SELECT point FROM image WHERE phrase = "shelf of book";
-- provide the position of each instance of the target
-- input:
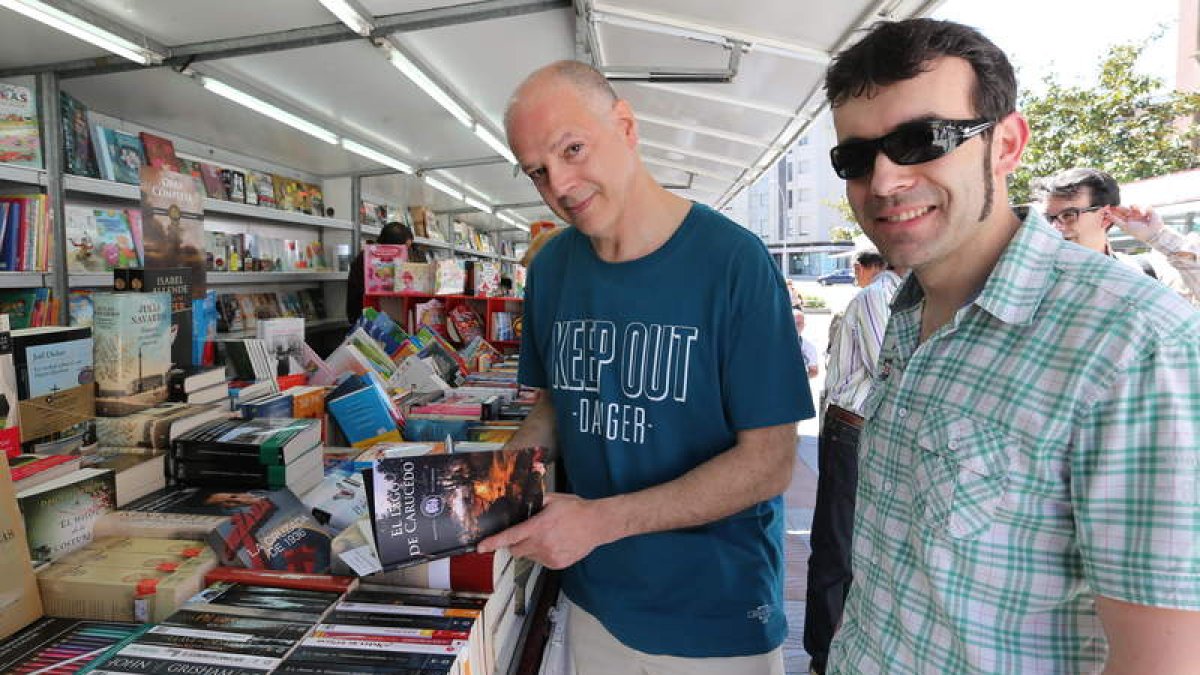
(105, 279)
(488, 307)
(103, 188)
(21, 279)
(106, 188)
(309, 325)
(22, 174)
(465, 250)
(265, 213)
(219, 278)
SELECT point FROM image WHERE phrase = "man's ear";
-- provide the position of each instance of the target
(1011, 138)
(626, 122)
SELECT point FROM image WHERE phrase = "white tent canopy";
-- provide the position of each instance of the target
(720, 88)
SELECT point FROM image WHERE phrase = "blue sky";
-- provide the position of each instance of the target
(1071, 35)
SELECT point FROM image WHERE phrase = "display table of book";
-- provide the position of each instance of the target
(307, 516)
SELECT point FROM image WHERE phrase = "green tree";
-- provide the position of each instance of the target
(1123, 124)
(850, 229)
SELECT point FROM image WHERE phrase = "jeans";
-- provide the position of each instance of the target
(829, 572)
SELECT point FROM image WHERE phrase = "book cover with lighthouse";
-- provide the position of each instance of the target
(132, 334)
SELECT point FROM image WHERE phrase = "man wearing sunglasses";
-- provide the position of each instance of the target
(1084, 203)
(1027, 495)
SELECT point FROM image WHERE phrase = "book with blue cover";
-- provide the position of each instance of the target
(121, 155)
(364, 416)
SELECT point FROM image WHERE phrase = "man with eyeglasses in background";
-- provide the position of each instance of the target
(1027, 489)
(1084, 203)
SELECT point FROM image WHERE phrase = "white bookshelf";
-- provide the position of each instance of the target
(22, 174)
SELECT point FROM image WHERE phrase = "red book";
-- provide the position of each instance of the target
(286, 382)
(278, 579)
(160, 152)
(24, 466)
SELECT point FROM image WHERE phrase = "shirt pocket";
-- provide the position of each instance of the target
(961, 474)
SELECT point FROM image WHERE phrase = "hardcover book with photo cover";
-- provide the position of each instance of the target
(428, 503)
(173, 224)
(121, 155)
(19, 139)
(54, 389)
(133, 350)
(78, 155)
(60, 514)
(160, 152)
(176, 281)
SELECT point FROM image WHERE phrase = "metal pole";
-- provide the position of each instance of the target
(52, 156)
(355, 215)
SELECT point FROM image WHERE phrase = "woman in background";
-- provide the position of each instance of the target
(392, 233)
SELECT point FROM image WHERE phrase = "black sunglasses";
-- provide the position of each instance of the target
(911, 143)
(1069, 215)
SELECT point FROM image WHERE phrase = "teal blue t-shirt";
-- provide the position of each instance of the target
(653, 366)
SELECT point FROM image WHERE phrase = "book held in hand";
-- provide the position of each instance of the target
(428, 501)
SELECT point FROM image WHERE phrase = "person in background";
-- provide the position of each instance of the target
(659, 333)
(1027, 488)
(808, 351)
(392, 233)
(1085, 203)
(794, 294)
(849, 371)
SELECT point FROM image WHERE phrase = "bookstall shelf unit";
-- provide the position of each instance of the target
(400, 306)
(22, 180)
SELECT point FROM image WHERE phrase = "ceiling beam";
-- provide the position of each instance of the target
(497, 207)
(604, 12)
(707, 95)
(703, 130)
(698, 154)
(182, 56)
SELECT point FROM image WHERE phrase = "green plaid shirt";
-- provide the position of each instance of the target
(1037, 451)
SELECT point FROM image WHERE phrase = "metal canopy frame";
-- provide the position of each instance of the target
(708, 149)
(182, 58)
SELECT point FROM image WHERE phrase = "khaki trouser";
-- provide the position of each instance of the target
(595, 651)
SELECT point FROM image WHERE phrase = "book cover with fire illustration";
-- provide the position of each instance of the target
(429, 501)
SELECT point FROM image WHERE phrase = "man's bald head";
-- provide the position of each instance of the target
(589, 83)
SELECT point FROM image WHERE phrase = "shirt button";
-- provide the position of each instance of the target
(902, 413)
(953, 444)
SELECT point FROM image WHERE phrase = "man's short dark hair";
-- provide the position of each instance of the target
(868, 258)
(395, 233)
(1104, 188)
(894, 51)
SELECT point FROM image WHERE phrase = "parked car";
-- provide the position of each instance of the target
(838, 276)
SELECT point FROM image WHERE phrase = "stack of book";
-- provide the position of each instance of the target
(61, 645)
(227, 628)
(125, 579)
(135, 446)
(262, 453)
(197, 385)
(385, 629)
(255, 529)
(29, 470)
